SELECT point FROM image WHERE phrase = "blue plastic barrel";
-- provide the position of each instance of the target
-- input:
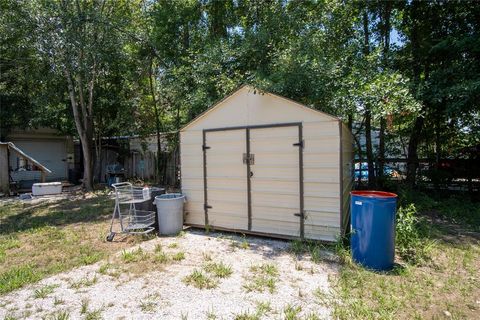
(373, 228)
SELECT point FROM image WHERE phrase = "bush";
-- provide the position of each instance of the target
(410, 243)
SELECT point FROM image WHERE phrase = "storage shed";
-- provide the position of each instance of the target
(259, 163)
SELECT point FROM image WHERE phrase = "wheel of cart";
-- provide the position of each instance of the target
(131, 219)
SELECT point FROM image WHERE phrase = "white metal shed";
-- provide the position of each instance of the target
(259, 163)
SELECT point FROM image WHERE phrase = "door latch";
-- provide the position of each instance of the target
(300, 144)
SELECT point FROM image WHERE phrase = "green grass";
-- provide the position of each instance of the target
(438, 256)
(266, 269)
(43, 292)
(134, 255)
(94, 315)
(161, 257)
(16, 277)
(263, 277)
(200, 280)
(246, 315)
(219, 270)
(291, 312)
(210, 315)
(84, 306)
(57, 301)
(59, 315)
(315, 249)
(240, 244)
(84, 282)
(148, 306)
(179, 256)
(39, 240)
(158, 248)
(7, 243)
(263, 307)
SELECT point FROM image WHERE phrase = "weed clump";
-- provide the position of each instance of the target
(410, 244)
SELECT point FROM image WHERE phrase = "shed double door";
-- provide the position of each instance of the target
(253, 179)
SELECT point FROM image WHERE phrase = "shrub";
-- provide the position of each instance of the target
(411, 246)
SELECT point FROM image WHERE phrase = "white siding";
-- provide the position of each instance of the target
(275, 183)
(276, 164)
(227, 179)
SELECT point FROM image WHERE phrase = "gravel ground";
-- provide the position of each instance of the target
(162, 294)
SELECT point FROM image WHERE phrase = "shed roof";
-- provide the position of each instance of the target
(221, 102)
(15, 149)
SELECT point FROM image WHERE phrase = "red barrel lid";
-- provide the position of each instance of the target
(373, 194)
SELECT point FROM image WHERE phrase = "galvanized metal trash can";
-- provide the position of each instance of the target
(373, 228)
(170, 213)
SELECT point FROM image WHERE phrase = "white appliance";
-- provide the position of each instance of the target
(40, 189)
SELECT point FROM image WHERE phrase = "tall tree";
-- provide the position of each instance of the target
(78, 38)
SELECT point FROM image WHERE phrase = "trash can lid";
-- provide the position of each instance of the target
(373, 194)
(169, 196)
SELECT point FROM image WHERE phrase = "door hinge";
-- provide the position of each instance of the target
(299, 144)
(206, 206)
(205, 147)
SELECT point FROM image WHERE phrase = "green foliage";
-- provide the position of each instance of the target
(410, 244)
(263, 277)
(193, 53)
(219, 270)
(199, 280)
(17, 277)
(134, 255)
(44, 291)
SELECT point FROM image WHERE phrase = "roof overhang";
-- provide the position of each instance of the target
(15, 149)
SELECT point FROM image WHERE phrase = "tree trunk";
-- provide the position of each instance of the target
(412, 158)
(87, 164)
(381, 149)
(98, 156)
(386, 10)
(157, 122)
(84, 127)
(369, 149)
(368, 114)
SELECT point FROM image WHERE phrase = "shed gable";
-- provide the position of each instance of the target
(248, 106)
